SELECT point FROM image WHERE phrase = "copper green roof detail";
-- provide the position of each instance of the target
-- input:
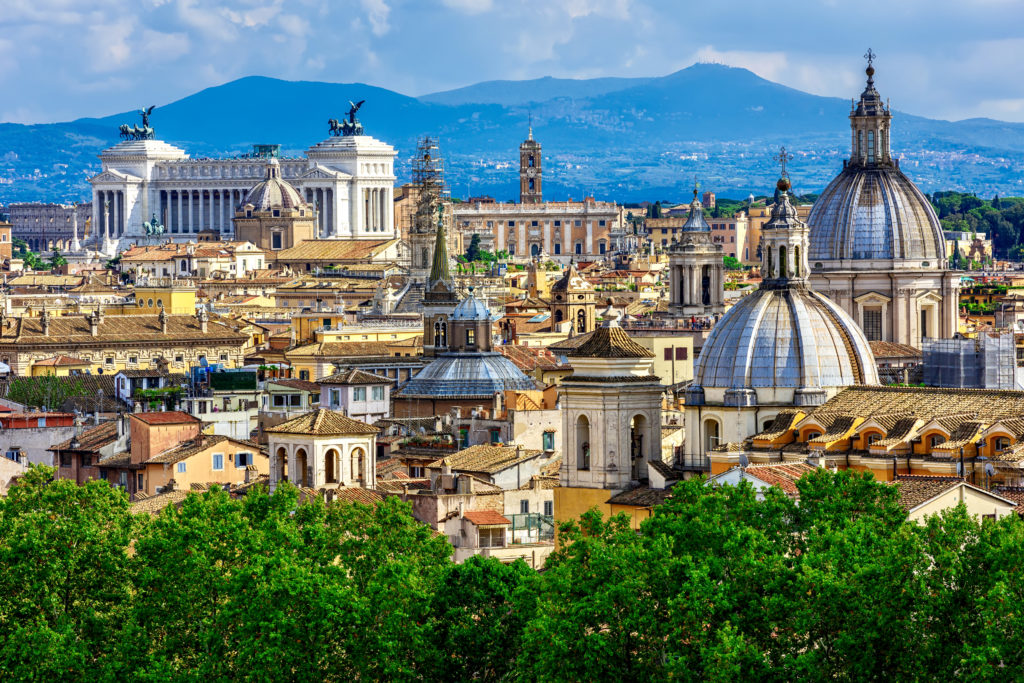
(439, 268)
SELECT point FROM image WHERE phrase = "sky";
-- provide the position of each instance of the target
(65, 59)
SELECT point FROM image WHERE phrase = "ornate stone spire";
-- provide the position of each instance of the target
(783, 243)
(869, 124)
(439, 267)
(695, 221)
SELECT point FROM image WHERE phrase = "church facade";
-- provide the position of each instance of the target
(876, 245)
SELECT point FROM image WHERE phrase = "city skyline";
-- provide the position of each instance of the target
(946, 60)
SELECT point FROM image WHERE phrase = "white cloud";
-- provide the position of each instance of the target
(377, 12)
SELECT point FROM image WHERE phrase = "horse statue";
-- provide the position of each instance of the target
(153, 226)
(145, 132)
(352, 125)
(334, 126)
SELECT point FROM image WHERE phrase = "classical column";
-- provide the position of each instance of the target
(201, 218)
(211, 225)
(75, 246)
(179, 222)
(191, 222)
(589, 244)
(116, 202)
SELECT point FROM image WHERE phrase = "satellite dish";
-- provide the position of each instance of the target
(959, 469)
(744, 460)
(989, 469)
(203, 362)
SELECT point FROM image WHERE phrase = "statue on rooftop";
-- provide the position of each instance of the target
(135, 132)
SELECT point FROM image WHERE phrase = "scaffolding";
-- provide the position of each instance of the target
(987, 362)
(428, 184)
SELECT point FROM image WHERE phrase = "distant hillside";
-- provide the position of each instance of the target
(616, 138)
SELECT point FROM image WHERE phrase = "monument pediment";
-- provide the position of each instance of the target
(319, 172)
(111, 176)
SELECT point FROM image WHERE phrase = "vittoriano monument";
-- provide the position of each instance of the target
(349, 127)
(137, 133)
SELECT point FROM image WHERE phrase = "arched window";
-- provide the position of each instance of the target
(331, 466)
(1001, 443)
(712, 436)
(811, 436)
(530, 162)
(936, 440)
(872, 438)
(581, 321)
(583, 441)
(558, 316)
(860, 144)
(282, 464)
(534, 248)
(871, 146)
(783, 263)
(300, 468)
(426, 257)
(796, 261)
(358, 463)
(771, 265)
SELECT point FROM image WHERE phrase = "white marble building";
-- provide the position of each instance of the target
(350, 179)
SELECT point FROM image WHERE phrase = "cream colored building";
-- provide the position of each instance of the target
(323, 449)
(876, 245)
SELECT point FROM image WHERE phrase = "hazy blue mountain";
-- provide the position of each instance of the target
(626, 139)
(511, 93)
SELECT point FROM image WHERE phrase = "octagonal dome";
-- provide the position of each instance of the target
(273, 192)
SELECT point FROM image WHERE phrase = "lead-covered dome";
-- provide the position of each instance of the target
(783, 344)
(871, 211)
(467, 375)
(875, 213)
(273, 192)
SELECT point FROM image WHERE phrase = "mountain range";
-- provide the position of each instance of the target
(627, 139)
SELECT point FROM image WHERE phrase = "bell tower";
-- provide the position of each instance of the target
(530, 171)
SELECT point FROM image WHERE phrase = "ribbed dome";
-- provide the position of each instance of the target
(872, 213)
(273, 192)
(471, 308)
(789, 337)
(467, 375)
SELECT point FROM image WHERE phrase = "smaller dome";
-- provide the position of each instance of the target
(471, 308)
(273, 192)
(695, 221)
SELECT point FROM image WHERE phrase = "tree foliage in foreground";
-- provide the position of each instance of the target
(720, 584)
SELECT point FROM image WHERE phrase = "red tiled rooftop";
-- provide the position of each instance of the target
(170, 417)
(486, 517)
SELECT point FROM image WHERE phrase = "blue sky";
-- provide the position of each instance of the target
(61, 59)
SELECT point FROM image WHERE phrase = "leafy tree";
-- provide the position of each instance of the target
(57, 260)
(473, 250)
(46, 391)
(732, 263)
(64, 577)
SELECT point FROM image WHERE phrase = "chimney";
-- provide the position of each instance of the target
(203, 319)
(163, 320)
(171, 485)
(94, 324)
(251, 473)
(45, 319)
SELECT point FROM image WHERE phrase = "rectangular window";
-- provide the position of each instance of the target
(243, 459)
(181, 466)
(558, 224)
(578, 223)
(549, 508)
(524, 507)
(549, 441)
(279, 400)
(359, 394)
(579, 247)
(109, 361)
(600, 247)
(133, 359)
(224, 356)
(218, 461)
(495, 436)
(533, 224)
(65, 459)
(415, 472)
(668, 353)
(681, 353)
(179, 359)
(294, 399)
(511, 224)
(872, 324)
(275, 240)
(304, 375)
(378, 393)
(335, 398)
(470, 337)
(558, 248)
(140, 482)
(601, 223)
(103, 475)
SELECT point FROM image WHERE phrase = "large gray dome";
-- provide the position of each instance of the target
(273, 192)
(467, 375)
(874, 213)
(787, 337)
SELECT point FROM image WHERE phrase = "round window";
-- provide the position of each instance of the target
(151, 303)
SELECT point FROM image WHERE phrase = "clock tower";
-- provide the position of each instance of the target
(529, 171)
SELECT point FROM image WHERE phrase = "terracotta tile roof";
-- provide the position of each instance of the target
(166, 418)
(355, 494)
(390, 467)
(46, 281)
(783, 475)
(117, 460)
(195, 447)
(546, 482)
(782, 423)
(967, 432)
(84, 385)
(641, 496)
(887, 349)
(552, 468)
(486, 518)
(354, 376)
(322, 422)
(153, 505)
(609, 342)
(335, 250)
(300, 384)
(1014, 426)
(570, 343)
(341, 349)
(1014, 493)
(530, 358)
(132, 373)
(60, 360)
(899, 431)
(92, 439)
(915, 490)
(75, 329)
(486, 458)
(400, 485)
(926, 402)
